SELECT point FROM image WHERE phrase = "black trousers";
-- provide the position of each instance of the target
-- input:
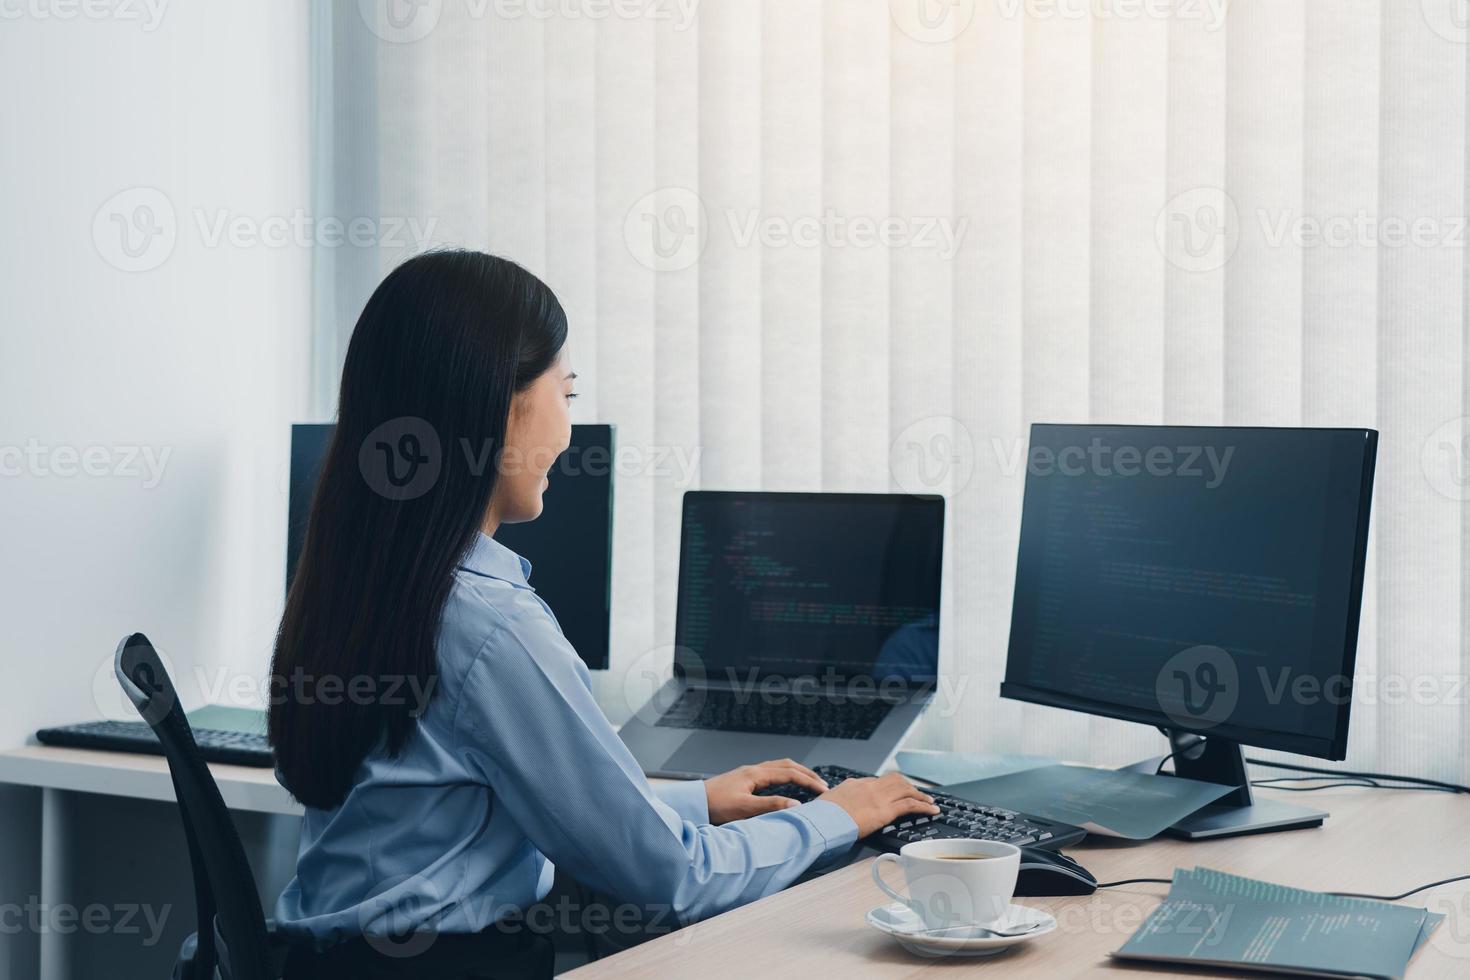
(489, 955)
(571, 919)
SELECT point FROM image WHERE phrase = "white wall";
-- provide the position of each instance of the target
(204, 357)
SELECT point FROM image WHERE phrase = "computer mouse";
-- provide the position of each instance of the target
(1052, 873)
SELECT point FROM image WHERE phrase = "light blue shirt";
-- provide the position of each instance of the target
(514, 767)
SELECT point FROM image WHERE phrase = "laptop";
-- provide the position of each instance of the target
(807, 627)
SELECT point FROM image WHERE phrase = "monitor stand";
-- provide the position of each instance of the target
(1219, 760)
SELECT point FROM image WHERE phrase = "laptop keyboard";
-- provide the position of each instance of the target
(749, 711)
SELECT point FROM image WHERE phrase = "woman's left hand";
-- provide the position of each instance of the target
(732, 795)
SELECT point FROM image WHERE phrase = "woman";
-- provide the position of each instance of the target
(429, 713)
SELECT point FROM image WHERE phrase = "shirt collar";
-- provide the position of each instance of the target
(490, 558)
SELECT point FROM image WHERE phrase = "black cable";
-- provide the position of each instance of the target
(1366, 780)
(1452, 787)
(1310, 789)
(1294, 779)
(1377, 898)
(1411, 891)
(1178, 748)
(1361, 783)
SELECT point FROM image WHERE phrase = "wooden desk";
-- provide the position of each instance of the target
(1376, 841)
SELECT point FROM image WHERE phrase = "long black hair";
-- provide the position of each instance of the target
(440, 349)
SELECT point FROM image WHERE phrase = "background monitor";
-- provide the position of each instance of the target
(569, 546)
(1204, 580)
(824, 585)
(309, 445)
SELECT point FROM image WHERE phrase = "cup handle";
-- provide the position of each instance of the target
(878, 878)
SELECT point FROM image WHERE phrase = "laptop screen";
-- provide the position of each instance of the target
(843, 588)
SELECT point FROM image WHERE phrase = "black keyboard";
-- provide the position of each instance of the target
(841, 716)
(957, 818)
(236, 748)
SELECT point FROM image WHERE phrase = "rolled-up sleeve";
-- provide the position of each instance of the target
(529, 724)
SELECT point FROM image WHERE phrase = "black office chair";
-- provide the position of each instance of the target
(234, 937)
(235, 941)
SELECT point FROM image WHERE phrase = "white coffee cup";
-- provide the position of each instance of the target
(955, 882)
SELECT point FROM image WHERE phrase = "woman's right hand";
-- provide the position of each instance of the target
(874, 802)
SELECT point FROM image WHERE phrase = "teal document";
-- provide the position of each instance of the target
(1211, 918)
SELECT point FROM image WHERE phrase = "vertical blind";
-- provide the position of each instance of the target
(862, 245)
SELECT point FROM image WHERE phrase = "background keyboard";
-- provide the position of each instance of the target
(745, 711)
(235, 748)
(957, 818)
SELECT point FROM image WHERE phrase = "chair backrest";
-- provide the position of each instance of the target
(232, 930)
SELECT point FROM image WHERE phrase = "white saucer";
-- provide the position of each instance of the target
(904, 924)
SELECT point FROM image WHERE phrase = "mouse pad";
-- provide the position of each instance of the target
(711, 753)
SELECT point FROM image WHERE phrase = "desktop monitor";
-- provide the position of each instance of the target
(569, 547)
(1203, 580)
